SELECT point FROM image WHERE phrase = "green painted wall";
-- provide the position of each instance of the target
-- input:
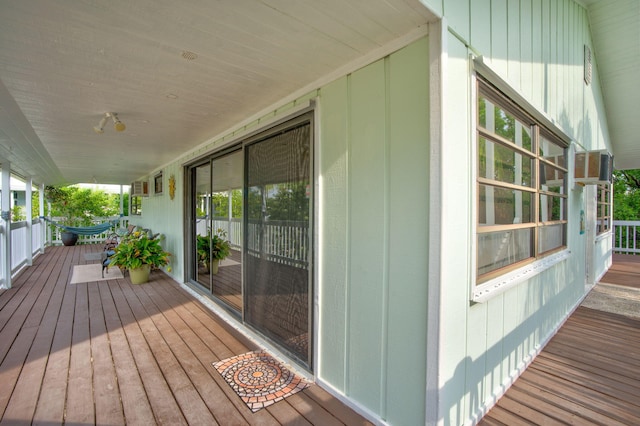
(536, 46)
(374, 157)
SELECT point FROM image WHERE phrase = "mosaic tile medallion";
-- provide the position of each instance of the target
(258, 379)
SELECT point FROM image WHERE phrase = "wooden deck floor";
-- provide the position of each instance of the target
(112, 353)
(589, 373)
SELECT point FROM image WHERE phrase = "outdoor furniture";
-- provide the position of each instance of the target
(109, 250)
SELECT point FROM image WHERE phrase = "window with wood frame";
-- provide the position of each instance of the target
(604, 208)
(158, 184)
(521, 186)
(135, 206)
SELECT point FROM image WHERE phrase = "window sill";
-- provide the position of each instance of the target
(494, 287)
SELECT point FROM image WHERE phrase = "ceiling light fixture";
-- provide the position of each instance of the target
(117, 124)
(100, 127)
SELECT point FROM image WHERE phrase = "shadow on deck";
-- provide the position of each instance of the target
(112, 353)
(589, 372)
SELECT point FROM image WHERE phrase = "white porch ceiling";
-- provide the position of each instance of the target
(615, 26)
(177, 73)
(64, 64)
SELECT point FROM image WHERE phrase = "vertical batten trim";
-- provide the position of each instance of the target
(437, 61)
(317, 235)
(385, 266)
(347, 278)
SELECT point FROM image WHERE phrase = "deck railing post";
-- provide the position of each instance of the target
(29, 239)
(43, 227)
(5, 243)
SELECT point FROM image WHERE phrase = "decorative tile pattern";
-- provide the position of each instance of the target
(259, 379)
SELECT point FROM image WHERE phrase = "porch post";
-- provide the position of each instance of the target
(5, 220)
(230, 215)
(43, 227)
(27, 205)
(121, 201)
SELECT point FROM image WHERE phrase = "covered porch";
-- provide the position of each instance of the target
(112, 353)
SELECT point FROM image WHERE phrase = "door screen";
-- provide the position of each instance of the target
(278, 241)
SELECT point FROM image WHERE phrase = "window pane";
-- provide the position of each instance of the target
(552, 179)
(552, 151)
(552, 208)
(551, 237)
(499, 249)
(500, 206)
(497, 120)
(500, 163)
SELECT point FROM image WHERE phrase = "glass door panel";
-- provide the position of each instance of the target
(278, 241)
(226, 199)
(200, 212)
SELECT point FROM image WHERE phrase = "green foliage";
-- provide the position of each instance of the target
(78, 206)
(626, 194)
(138, 249)
(17, 214)
(284, 201)
(220, 202)
(290, 202)
(212, 247)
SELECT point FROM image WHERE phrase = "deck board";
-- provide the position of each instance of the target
(588, 373)
(112, 353)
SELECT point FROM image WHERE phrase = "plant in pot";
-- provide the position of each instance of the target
(139, 254)
(212, 249)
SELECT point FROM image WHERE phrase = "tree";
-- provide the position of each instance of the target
(626, 194)
(78, 206)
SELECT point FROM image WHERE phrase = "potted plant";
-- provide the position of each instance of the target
(212, 249)
(139, 254)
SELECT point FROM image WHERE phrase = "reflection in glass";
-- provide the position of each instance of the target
(500, 163)
(551, 208)
(497, 120)
(201, 183)
(501, 206)
(551, 237)
(226, 207)
(503, 248)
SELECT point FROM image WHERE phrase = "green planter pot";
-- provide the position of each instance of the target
(140, 275)
(214, 266)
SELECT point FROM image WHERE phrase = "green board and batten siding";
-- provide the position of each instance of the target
(536, 46)
(374, 157)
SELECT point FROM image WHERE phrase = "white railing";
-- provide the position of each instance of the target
(233, 228)
(19, 243)
(285, 242)
(281, 241)
(626, 236)
(56, 238)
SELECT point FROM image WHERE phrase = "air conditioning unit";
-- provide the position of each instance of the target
(140, 188)
(593, 167)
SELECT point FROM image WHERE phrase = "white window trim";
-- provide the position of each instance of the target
(495, 286)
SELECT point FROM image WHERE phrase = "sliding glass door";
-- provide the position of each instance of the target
(216, 215)
(226, 208)
(258, 197)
